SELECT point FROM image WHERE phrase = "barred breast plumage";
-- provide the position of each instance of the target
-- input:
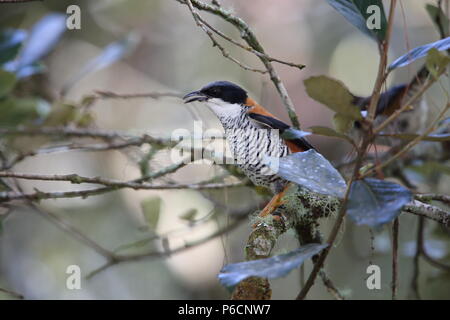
(251, 145)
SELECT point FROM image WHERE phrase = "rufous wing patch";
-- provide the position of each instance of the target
(297, 145)
(256, 108)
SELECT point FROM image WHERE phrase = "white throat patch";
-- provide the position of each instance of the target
(224, 109)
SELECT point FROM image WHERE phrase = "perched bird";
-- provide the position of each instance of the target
(252, 133)
(411, 121)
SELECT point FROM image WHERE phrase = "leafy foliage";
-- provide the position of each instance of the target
(44, 35)
(10, 42)
(328, 132)
(375, 202)
(436, 14)
(151, 208)
(419, 52)
(311, 170)
(333, 94)
(274, 267)
(436, 62)
(356, 12)
(7, 82)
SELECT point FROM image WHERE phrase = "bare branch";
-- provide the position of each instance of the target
(249, 49)
(428, 211)
(225, 53)
(394, 284)
(157, 174)
(41, 195)
(100, 94)
(436, 197)
(159, 254)
(361, 154)
(12, 293)
(18, 1)
(249, 37)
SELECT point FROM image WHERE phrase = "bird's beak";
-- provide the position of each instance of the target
(195, 96)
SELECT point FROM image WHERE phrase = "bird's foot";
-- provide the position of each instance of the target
(271, 207)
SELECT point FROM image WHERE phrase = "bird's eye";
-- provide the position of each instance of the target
(214, 91)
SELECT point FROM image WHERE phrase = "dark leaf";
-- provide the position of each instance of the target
(311, 170)
(342, 123)
(151, 208)
(375, 202)
(274, 267)
(7, 82)
(436, 62)
(437, 15)
(10, 43)
(420, 52)
(356, 13)
(333, 94)
(189, 215)
(328, 132)
(18, 111)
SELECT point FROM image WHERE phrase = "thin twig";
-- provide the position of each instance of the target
(394, 284)
(361, 154)
(416, 260)
(410, 145)
(249, 49)
(102, 190)
(100, 94)
(12, 293)
(433, 197)
(331, 288)
(158, 254)
(19, 1)
(408, 103)
(249, 37)
(111, 186)
(381, 76)
(65, 226)
(225, 53)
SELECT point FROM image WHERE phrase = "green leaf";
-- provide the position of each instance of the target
(375, 202)
(328, 132)
(356, 12)
(419, 52)
(151, 208)
(293, 134)
(436, 15)
(274, 267)
(311, 170)
(436, 62)
(333, 94)
(342, 123)
(189, 215)
(10, 43)
(7, 82)
(19, 111)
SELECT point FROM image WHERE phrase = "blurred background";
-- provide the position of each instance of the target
(171, 54)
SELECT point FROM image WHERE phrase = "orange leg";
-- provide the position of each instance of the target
(273, 204)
